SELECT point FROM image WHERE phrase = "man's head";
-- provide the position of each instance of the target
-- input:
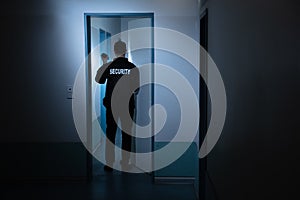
(120, 48)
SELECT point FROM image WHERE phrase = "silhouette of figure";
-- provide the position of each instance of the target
(113, 71)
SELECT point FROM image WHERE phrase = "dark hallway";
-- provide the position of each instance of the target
(255, 46)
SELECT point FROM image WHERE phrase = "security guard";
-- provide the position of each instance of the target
(120, 69)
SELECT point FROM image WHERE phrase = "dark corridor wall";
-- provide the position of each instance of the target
(38, 137)
(256, 46)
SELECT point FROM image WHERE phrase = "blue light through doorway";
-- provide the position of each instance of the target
(105, 47)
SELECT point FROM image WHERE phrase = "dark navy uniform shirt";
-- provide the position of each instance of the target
(113, 72)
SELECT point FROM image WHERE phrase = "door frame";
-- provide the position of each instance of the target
(87, 33)
(204, 103)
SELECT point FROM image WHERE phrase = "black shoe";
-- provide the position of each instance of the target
(107, 168)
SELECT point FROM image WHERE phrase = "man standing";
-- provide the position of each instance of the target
(120, 69)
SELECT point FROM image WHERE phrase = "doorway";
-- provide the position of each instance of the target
(102, 31)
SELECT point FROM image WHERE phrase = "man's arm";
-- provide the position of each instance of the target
(101, 75)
